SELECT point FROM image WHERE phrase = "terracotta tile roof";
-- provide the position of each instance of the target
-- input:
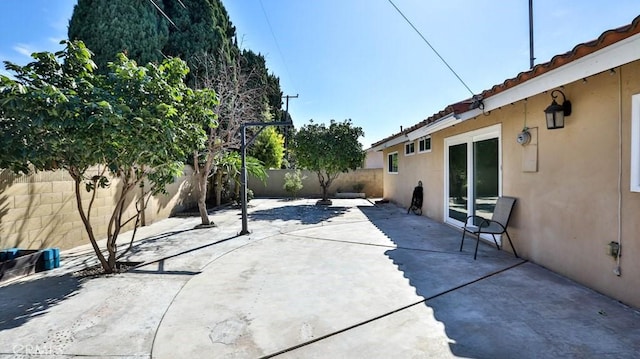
(607, 38)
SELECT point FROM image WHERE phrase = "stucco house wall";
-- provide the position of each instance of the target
(373, 159)
(578, 199)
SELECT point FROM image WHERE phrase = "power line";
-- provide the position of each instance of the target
(165, 15)
(432, 48)
(286, 68)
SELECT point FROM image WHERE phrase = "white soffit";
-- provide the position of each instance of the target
(392, 142)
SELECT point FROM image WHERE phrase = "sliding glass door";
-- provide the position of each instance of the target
(458, 188)
(473, 174)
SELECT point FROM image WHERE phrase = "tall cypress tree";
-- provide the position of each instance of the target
(202, 28)
(139, 29)
(110, 27)
(255, 64)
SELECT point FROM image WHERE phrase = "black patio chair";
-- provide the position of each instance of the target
(416, 200)
(496, 225)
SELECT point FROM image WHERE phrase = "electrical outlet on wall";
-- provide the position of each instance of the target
(614, 249)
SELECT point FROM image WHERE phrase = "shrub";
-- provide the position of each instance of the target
(293, 182)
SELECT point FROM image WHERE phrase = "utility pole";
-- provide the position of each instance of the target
(286, 129)
(288, 97)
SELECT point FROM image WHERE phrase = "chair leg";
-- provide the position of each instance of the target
(464, 231)
(511, 243)
(496, 242)
(475, 254)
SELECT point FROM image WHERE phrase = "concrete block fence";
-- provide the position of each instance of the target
(371, 178)
(39, 210)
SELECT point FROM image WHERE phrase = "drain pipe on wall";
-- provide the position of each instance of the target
(617, 271)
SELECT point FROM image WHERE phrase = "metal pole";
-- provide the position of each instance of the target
(286, 129)
(243, 181)
(531, 58)
(243, 170)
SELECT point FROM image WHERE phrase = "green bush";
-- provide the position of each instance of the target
(293, 182)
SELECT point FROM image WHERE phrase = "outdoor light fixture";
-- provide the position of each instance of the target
(556, 113)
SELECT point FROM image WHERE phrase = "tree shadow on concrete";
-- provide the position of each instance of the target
(151, 244)
(499, 306)
(427, 253)
(23, 301)
(305, 214)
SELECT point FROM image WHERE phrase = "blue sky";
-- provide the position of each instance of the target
(359, 59)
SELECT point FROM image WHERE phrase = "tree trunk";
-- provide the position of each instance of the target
(203, 184)
(112, 262)
(86, 221)
(202, 198)
(236, 189)
(218, 184)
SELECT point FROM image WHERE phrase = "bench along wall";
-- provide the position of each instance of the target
(39, 210)
(371, 178)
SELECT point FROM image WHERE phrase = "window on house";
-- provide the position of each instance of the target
(409, 148)
(392, 165)
(424, 145)
(635, 143)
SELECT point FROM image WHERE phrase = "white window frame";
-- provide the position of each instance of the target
(412, 145)
(389, 155)
(635, 143)
(424, 139)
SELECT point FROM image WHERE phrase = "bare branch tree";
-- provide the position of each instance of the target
(239, 101)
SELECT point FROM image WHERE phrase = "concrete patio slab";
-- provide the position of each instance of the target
(352, 280)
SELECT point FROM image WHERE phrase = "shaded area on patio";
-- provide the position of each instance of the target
(498, 305)
(23, 301)
(306, 214)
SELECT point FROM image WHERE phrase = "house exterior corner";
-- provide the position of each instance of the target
(573, 185)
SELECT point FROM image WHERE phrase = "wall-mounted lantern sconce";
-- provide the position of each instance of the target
(556, 113)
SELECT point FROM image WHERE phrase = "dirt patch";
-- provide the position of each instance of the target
(97, 270)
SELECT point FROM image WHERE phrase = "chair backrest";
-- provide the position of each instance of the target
(502, 211)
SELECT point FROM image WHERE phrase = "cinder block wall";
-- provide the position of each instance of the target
(40, 210)
(371, 178)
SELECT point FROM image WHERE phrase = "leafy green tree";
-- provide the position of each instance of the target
(110, 27)
(136, 123)
(329, 150)
(202, 34)
(268, 147)
(229, 165)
